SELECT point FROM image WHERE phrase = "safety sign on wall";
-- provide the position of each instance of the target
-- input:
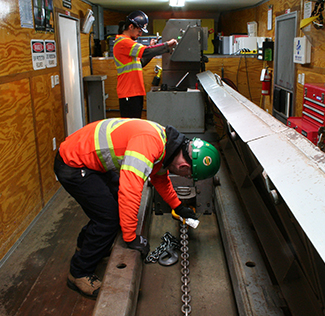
(43, 54)
(50, 53)
(38, 54)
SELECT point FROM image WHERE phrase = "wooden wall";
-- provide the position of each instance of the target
(243, 72)
(31, 113)
(113, 17)
(30, 117)
(236, 22)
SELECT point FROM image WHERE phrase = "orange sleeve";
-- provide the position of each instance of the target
(150, 149)
(164, 187)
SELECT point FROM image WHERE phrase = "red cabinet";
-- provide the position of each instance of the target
(313, 112)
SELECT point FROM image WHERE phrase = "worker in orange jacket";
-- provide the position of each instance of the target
(104, 166)
(130, 57)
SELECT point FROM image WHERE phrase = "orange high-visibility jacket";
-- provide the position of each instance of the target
(135, 148)
(127, 54)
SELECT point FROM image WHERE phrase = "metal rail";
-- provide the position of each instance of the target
(294, 165)
(280, 177)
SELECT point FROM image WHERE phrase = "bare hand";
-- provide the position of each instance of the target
(172, 42)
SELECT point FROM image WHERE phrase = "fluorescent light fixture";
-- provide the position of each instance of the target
(177, 3)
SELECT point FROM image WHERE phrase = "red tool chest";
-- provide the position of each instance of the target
(313, 112)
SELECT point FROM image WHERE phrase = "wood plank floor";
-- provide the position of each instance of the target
(33, 278)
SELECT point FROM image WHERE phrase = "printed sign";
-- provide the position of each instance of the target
(38, 54)
(50, 53)
(26, 13)
(39, 15)
(49, 27)
(66, 3)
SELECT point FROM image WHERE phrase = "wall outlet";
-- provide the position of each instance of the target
(299, 78)
(302, 79)
(56, 79)
(52, 82)
(54, 143)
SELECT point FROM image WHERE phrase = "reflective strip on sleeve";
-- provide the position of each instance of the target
(162, 134)
(137, 163)
(135, 50)
(134, 65)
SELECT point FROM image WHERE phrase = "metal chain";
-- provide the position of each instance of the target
(169, 242)
(186, 297)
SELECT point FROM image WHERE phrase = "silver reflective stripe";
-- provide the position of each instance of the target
(135, 50)
(162, 132)
(135, 65)
(118, 40)
(137, 166)
(104, 146)
(117, 121)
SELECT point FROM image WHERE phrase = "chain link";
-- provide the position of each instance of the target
(186, 297)
(169, 242)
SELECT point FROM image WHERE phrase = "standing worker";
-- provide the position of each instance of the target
(130, 57)
(104, 166)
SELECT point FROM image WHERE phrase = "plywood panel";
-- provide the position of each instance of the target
(236, 22)
(114, 17)
(15, 52)
(49, 125)
(243, 72)
(20, 195)
(30, 116)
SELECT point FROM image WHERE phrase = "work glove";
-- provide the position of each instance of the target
(141, 244)
(185, 212)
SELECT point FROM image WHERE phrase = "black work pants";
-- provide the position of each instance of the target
(97, 193)
(131, 107)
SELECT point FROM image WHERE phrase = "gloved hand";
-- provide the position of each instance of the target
(141, 244)
(185, 212)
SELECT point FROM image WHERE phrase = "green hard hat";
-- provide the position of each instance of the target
(205, 159)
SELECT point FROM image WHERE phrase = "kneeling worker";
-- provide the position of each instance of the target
(104, 166)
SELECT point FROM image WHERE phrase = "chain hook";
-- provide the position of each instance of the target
(168, 257)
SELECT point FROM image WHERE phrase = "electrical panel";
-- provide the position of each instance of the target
(98, 26)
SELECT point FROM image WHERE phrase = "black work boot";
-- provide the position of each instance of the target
(88, 285)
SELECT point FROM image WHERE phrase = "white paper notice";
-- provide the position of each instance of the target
(307, 13)
(26, 14)
(269, 18)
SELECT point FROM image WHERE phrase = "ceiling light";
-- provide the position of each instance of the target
(177, 3)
